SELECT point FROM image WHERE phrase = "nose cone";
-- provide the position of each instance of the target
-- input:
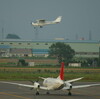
(32, 23)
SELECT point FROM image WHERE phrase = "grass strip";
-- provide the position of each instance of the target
(35, 76)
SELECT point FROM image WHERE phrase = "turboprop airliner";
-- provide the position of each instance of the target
(54, 83)
(40, 23)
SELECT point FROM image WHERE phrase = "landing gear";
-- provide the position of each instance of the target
(41, 26)
(47, 93)
(37, 90)
(69, 94)
(37, 93)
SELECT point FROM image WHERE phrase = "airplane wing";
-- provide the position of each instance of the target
(81, 86)
(73, 80)
(24, 85)
(44, 88)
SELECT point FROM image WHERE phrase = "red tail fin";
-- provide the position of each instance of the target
(62, 71)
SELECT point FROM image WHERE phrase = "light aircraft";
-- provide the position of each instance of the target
(40, 23)
(54, 83)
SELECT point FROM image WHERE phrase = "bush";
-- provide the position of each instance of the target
(22, 62)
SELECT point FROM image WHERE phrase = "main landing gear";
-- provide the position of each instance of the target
(37, 93)
(69, 94)
(47, 93)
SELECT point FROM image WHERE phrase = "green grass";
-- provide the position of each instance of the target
(12, 73)
(19, 75)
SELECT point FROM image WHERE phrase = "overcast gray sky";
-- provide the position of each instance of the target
(78, 18)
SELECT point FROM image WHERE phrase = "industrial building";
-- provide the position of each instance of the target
(19, 48)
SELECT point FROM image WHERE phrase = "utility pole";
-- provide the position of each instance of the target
(90, 35)
(99, 56)
(36, 33)
(2, 34)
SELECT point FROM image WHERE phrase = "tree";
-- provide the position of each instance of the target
(22, 62)
(62, 51)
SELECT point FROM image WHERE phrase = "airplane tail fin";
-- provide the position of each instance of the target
(58, 19)
(61, 75)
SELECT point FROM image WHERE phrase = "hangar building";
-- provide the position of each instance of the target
(83, 48)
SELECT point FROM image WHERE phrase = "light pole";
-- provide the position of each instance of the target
(99, 55)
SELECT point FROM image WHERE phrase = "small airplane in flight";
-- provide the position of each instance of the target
(40, 23)
(54, 83)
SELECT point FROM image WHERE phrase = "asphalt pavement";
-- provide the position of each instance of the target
(8, 91)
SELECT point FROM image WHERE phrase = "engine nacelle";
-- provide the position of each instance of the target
(36, 85)
(67, 84)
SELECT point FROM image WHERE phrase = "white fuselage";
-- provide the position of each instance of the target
(53, 83)
(42, 24)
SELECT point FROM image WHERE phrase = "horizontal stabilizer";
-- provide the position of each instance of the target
(42, 78)
(73, 80)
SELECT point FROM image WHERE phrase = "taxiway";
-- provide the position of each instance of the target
(8, 91)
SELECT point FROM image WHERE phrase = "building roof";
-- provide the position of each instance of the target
(48, 41)
(4, 46)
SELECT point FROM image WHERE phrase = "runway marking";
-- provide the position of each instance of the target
(14, 95)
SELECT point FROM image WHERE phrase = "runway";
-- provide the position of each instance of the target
(8, 91)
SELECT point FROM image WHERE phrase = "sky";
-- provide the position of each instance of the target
(79, 19)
